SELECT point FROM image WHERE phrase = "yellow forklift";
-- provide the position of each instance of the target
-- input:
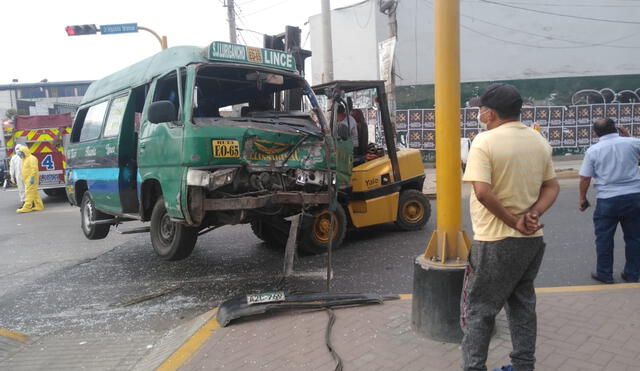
(375, 185)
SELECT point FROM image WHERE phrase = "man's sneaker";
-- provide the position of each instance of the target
(595, 276)
(504, 368)
(626, 278)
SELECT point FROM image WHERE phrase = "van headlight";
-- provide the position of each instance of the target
(221, 178)
(210, 180)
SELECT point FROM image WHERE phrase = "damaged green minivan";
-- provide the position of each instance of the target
(192, 138)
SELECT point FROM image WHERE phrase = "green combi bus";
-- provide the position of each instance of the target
(156, 142)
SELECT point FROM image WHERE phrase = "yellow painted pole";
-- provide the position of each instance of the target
(449, 244)
(161, 39)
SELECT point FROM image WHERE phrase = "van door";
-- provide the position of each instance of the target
(128, 150)
(110, 200)
(91, 160)
(160, 145)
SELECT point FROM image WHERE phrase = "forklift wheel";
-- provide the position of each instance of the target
(414, 210)
(315, 230)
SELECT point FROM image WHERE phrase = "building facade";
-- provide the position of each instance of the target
(43, 98)
(558, 53)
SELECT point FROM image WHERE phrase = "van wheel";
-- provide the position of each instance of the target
(273, 235)
(414, 210)
(315, 230)
(170, 240)
(88, 215)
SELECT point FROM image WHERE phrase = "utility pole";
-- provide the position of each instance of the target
(231, 17)
(327, 45)
(389, 7)
(439, 272)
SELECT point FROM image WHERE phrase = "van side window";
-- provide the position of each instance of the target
(89, 123)
(138, 97)
(114, 118)
(167, 89)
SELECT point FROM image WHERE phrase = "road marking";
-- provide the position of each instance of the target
(13, 335)
(180, 356)
(545, 290)
(548, 290)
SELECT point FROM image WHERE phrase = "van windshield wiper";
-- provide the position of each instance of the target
(299, 127)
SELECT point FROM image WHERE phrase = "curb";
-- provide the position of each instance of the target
(178, 345)
(566, 173)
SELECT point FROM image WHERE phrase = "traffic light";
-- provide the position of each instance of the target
(83, 29)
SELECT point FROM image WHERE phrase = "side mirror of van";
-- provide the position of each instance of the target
(162, 111)
(343, 132)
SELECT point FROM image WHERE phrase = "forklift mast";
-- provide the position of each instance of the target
(289, 41)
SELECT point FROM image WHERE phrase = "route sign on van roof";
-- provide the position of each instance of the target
(223, 51)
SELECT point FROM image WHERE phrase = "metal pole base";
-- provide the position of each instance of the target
(436, 301)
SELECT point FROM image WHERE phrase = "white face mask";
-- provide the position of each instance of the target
(483, 125)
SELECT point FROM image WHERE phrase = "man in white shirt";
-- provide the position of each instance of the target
(15, 171)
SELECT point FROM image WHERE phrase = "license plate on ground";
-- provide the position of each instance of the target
(266, 297)
(225, 148)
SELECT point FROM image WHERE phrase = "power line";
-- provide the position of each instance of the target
(565, 5)
(549, 37)
(267, 8)
(560, 14)
(543, 46)
(306, 38)
(581, 44)
(238, 12)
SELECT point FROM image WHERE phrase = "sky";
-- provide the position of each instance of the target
(35, 45)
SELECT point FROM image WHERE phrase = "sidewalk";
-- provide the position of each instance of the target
(566, 167)
(579, 328)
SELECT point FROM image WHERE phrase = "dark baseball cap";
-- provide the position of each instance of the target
(502, 98)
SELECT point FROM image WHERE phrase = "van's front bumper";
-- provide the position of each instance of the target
(256, 202)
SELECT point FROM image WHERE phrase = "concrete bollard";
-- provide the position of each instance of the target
(435, 312)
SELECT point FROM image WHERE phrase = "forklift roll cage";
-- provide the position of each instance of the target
(335, 89)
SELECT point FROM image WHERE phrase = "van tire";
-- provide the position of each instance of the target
(414, 210)
(170, 240)
(269, 233)
(89, 214)
(315, 231)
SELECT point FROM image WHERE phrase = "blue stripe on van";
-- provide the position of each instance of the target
(99, 180)
(109, 173)
(103, 186)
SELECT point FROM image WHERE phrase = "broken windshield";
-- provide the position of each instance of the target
(241, 95)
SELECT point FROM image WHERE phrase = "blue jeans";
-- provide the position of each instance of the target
(609, 212)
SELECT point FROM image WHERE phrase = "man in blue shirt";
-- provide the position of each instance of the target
(613, 162)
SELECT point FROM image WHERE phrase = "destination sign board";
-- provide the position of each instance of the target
(223, 51)
(107, 29)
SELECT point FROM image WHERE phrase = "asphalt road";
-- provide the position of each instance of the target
(54, 281)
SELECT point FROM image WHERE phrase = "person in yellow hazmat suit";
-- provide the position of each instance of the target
(31, 179)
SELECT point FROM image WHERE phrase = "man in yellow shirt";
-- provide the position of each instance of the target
(514, 183)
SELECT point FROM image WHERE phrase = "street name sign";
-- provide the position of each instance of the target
(107, 29)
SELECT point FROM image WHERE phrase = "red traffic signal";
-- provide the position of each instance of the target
(84, 29)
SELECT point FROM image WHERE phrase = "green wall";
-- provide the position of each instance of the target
(547, 91)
